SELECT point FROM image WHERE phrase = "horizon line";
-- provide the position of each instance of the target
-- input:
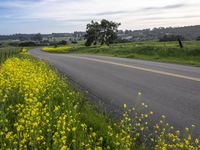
(85, 31)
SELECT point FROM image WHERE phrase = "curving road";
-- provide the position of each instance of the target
(169, 89)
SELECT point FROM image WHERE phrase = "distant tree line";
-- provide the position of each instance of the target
(166, 38)
(22, 37)
(43, 43)
(188, 32)
(33, 37)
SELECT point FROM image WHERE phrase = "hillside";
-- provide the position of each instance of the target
(188, 32)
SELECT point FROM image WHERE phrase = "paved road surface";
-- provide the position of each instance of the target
(169, 89)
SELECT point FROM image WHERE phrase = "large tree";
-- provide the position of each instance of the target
(92, 33)
(104, 32)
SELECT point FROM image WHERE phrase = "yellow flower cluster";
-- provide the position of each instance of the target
(57, 49)
(137, 126)
(37, 109)
(24, 87)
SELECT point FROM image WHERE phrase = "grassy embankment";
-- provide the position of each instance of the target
(149, 50)
(39, 109)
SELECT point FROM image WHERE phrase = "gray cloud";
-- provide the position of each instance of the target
(165, 7)
(111, 13)
(165, 18)
(79, 20)
(121, 12)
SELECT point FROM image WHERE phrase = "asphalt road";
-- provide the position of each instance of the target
(169, 89)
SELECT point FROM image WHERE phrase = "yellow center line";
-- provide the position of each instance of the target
(138, 68)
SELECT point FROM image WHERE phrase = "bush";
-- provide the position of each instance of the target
(74, 42)
(63, 42)
(13, 44)
(24, 44)
(121, 41)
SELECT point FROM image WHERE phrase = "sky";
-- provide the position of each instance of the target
(58, 16)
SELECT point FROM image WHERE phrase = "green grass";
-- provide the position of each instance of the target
(149, 50)
(59, 49)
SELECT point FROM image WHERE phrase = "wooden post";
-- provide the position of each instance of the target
(180, 43)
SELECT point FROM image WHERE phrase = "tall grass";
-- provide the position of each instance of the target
(6, 52)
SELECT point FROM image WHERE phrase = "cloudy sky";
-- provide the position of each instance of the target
(47, 16)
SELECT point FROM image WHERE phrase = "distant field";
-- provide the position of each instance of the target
(150, 50)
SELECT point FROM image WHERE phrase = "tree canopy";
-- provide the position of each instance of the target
(104, 32)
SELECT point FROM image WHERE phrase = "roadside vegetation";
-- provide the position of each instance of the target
(149, 50)
(57, 49)
(40, 109)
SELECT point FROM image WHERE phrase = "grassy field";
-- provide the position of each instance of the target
(40, 109)
(149, 50)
